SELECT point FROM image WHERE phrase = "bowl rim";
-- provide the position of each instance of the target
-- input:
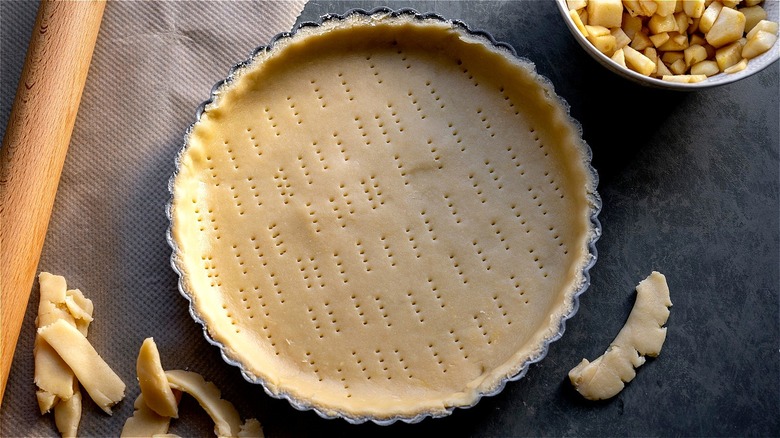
(766, 59)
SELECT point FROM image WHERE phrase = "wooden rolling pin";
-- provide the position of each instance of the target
(34, 148)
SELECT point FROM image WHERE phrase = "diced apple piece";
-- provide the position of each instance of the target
(694, 55)
(728, 27)
(648, 7)
(652, 55)
(752, 2)
(633, 8)
(706, 68)
(741, 65)
(660, 68)
(728, 55)
(605, 44)
(709, 16)
(595, 31)
(760, 43)
(576, 4)
(638, 62)
(697, 39)
(693, 8)
(685, 79)
(670, 57)
(694, 26)
(710, 51)
(583, 13)
(621, 39)
(682, 21)
(658, 24)
(765, 25)
(631, 25)
(665, 7)
(641, 42)
(676, 43)
(659, 38)
(619, 57)
(678, 67)
(731, 4)
(753, 15)
(575, 17)
(607, 13)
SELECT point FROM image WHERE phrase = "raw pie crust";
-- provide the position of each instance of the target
(383, 218)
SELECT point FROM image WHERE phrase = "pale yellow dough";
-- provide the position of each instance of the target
(642, 335)
(383, 217)
(154, 384)
(251, 428)
(102, 384)
(58, 387)
(53, 377)
(227, 422)
(145, 422)
(67, 413)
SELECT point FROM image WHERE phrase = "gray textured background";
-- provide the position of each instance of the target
(690, 188)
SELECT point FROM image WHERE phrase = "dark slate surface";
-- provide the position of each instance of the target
(690, 188)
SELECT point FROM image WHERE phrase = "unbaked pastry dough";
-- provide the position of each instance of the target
(642, 335)
(227, 422)
(53, 377)
(102, 384)
(67, 413)
(154, 384)
(57, 385)
(145, 422)
(383, 217)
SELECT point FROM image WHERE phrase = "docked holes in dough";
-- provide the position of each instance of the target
(642, 335)
(227, 421)
(102, 384)
(145, 422)
(154, 384)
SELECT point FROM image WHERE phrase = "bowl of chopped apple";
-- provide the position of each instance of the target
(677, 44)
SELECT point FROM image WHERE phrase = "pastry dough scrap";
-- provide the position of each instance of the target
(102, 384)
(53, 377)
(67, 413)
(251, 428)
(79, 306)
(642, 335)
(154, 384)
(145, 422)
(227, 421)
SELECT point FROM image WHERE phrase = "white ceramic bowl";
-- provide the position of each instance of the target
(755, 65)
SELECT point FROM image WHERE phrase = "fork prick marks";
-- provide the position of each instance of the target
(305, 170)
(451, 208)
(372, 192)
(412, 242)
(388, 251)
(400, 165)
(283, 185)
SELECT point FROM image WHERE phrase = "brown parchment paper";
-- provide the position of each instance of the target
(153, 64)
